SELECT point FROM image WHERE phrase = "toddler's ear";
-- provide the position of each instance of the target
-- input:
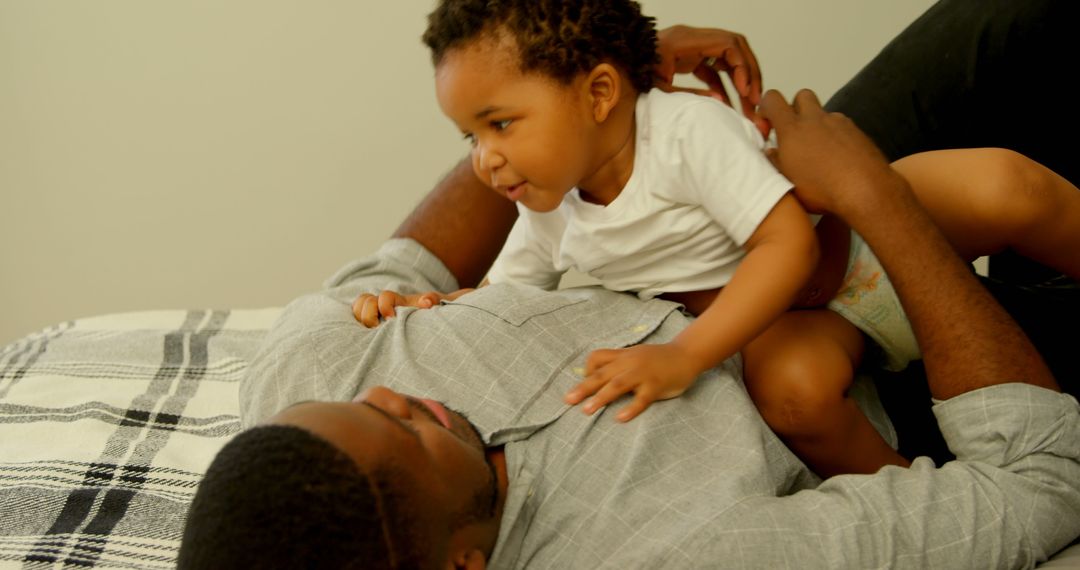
(605, 87)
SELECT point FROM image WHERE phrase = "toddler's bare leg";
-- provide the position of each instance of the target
(798, 373)
(986, 200)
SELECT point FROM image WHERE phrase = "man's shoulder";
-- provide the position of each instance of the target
(399, 262)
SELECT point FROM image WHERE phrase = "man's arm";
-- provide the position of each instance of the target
(1013, 496)
(463, 223)
(968, 341)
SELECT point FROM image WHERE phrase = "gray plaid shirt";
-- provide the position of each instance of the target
(699, 481)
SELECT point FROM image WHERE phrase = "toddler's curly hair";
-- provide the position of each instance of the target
(559, 38)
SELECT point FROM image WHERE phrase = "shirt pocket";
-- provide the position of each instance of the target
(514, 304)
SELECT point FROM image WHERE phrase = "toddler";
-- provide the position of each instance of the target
(671, 194)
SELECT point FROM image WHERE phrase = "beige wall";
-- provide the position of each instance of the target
(233, 153)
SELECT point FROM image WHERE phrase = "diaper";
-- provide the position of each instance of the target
(868, 301)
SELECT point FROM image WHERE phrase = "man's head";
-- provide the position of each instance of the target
(386, 481)
(534, 86)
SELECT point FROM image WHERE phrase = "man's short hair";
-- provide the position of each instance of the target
(281, 497)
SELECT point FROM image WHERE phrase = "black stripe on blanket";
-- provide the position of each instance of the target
(211, 427)
(12, 372)
(123, 468)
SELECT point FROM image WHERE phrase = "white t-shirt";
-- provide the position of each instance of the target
(700, 187)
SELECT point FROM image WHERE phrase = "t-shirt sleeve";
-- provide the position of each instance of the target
(527, 258)
(724, 168)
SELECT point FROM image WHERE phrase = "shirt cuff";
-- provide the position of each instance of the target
(1003, 423)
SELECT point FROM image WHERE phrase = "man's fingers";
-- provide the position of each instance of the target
(750, 112)
(711, 77)
(740, 79)
(776, 110)
(741, 65)
(770, 153)
(806, 103)
(665, 70)
(427, 300)
(753, 71)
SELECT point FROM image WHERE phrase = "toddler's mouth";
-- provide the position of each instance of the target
(515, 192)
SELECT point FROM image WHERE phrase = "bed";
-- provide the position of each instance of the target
(107, 423)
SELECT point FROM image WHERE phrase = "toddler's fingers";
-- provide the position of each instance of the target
(428, 300)
(369, 312)
(643, 398)
(611, 390)
(387, 301)
(358, 305)
(454, 296)
(584, 389)
(600, 358)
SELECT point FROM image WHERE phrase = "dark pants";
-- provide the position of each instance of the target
(981, 73)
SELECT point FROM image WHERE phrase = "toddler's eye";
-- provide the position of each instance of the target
(470, 138)
(501, 125)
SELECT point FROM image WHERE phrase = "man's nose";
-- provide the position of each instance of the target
(386, 400)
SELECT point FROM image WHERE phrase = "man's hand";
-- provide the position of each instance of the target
(369, 308)
(968, 341)
(652, 371)
(824, 154)
(708, 52)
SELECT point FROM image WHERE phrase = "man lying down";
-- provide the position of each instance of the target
(359, 460)
(354, 454)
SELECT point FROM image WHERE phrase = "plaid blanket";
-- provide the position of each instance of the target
(106, 425)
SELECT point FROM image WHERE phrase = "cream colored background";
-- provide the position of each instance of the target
(233, 153)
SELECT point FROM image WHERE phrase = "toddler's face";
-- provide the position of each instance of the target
(530, 135)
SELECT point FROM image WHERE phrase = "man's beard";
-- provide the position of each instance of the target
(485, 500)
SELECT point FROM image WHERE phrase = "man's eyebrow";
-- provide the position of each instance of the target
(394, 420)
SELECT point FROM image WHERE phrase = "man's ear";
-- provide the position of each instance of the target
(470, 545)
(468, 560)
(604, 85)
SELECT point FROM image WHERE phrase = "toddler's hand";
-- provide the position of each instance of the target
(369, 308)
(652, 371)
